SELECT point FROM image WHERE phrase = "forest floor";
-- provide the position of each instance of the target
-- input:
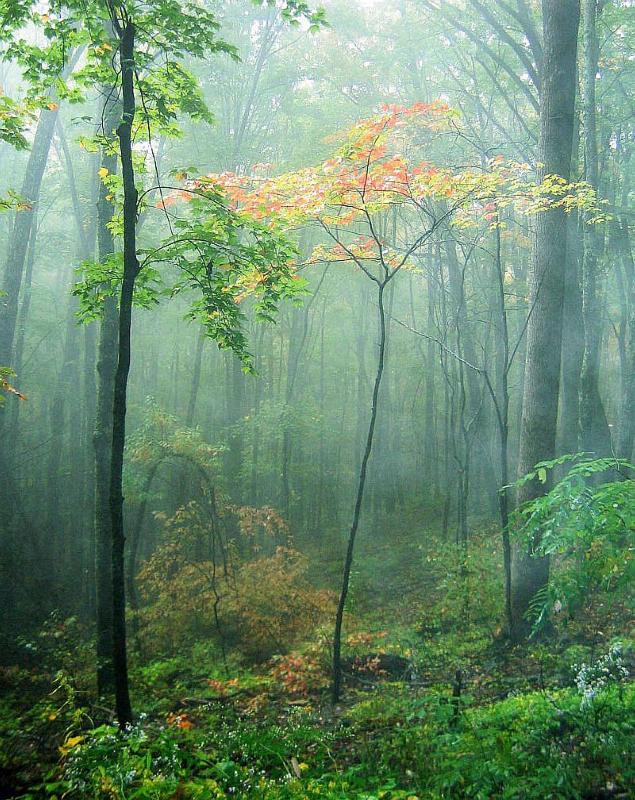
(436, 705)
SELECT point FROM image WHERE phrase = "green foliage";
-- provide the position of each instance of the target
(227, 257)
(296, 12)
(161, 438)
(231, 758)
(222, 258)
(13, 118)
(101, 279)
(12, 201)
(467, 582)
(172, 90)
(394, 746)
(589, 529)
(41, 59)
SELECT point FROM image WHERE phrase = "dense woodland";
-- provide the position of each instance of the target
(317, 399)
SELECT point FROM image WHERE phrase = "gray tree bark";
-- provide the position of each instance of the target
(547, 279)
(595, 434)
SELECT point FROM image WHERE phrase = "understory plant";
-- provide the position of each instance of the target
(586, 524)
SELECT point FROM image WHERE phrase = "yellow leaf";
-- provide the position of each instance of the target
(70, 743)
(103, 172)
(52, 106)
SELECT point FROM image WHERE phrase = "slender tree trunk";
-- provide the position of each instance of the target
(62, 413)
(431, 455)
(361, 483)
(67, 520)
(502, 413)
(13, 413)
(88, 485)
(130, 272)
(18, 243)
(299, 324)
(572, 343)
(196, 380)
(102, 437)
(322, 432)
(544, 331)
(255, 435)
(235, 413)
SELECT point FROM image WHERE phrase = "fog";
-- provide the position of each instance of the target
(317, 339)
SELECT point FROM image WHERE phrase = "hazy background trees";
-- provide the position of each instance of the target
(291, 436)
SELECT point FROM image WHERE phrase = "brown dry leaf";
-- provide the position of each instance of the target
(6, 386)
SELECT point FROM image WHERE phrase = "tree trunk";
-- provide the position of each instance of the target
(235, 414)
(544, 331)
(102, 438)
(30, 191)
(20, 234)
(594, 428)
(502, 416)
(572, 344)
(348, 562)
(11, 437)
(430, 454)
(196, 380)
(626, 429)
(130, 272)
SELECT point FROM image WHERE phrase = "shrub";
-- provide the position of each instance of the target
(589, 529)
(260, 606)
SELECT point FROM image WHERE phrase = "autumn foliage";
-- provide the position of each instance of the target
(298, 675)
(389, 162)
(200, 583)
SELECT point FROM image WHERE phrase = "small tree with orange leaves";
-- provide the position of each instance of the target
(351, 197)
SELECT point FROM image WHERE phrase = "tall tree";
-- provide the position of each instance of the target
(30, 191)
(561, 20)
(102, 436)
(595, 431)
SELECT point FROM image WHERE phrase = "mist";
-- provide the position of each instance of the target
(317, 399)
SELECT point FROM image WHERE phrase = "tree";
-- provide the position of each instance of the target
(102, 435)
(595, 431)
(124, 25)
(544, 329)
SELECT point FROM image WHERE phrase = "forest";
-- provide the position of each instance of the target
(317, 399)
